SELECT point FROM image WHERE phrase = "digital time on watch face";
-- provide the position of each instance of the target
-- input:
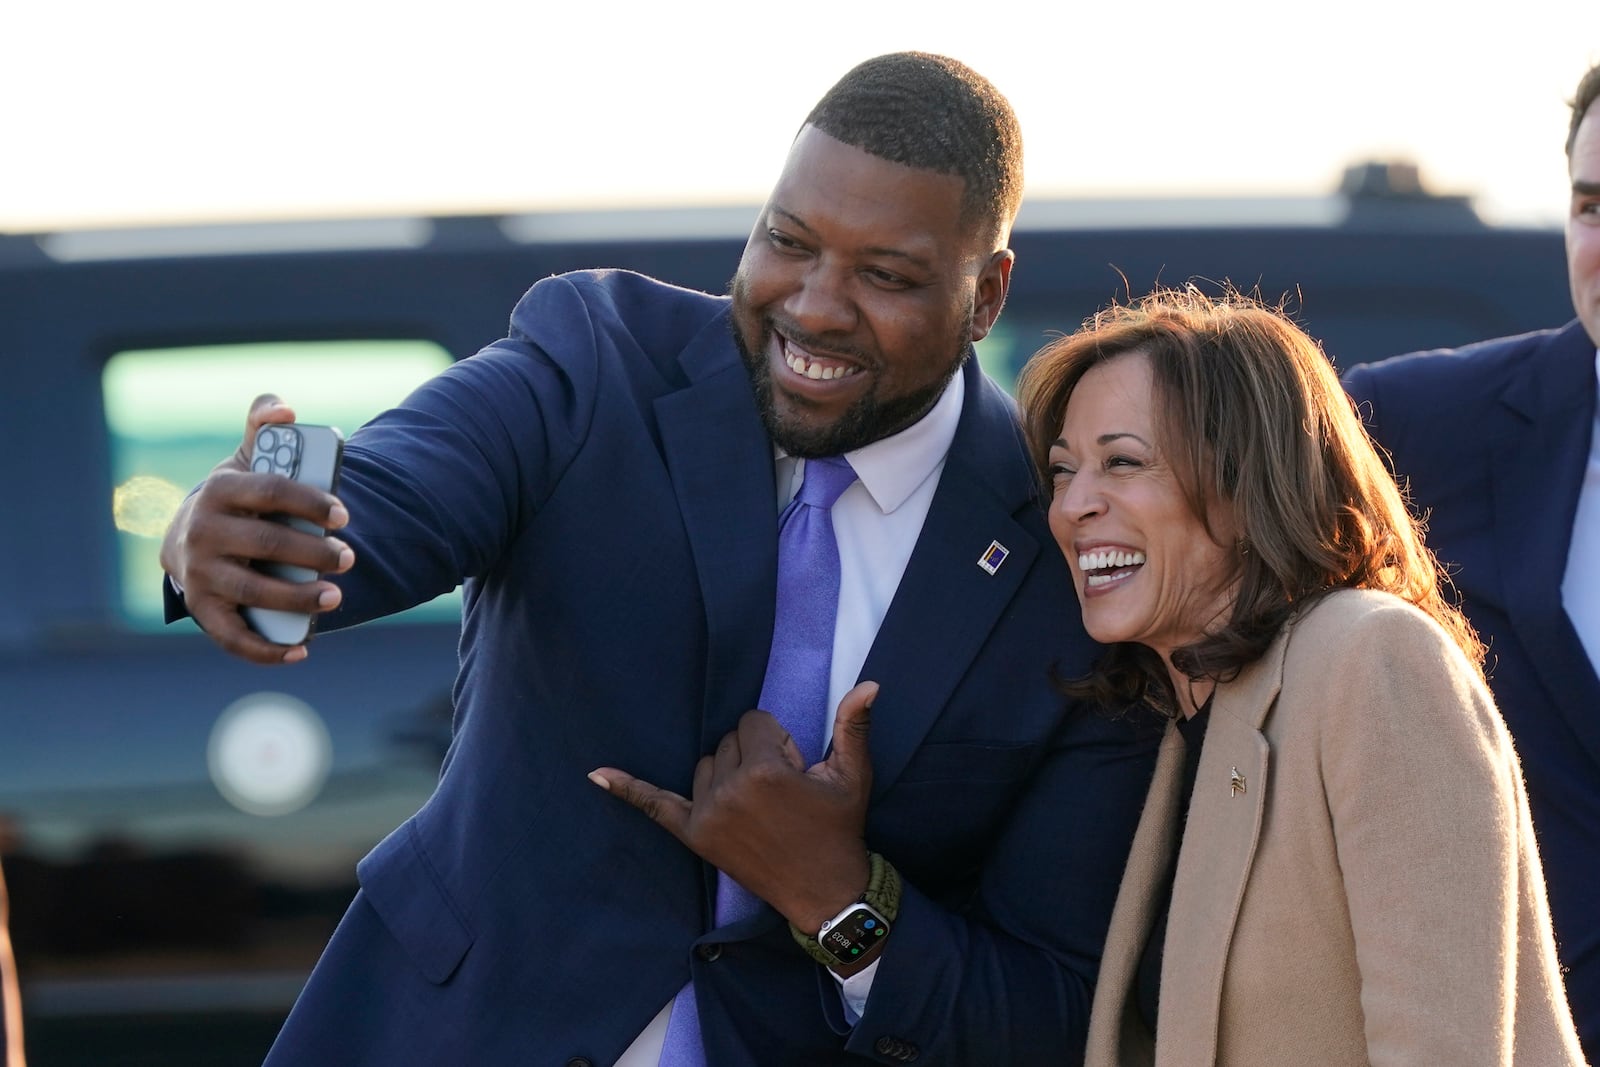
(852, 934)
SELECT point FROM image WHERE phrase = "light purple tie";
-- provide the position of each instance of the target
(796, 686)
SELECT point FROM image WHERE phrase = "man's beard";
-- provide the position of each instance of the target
(869, 419)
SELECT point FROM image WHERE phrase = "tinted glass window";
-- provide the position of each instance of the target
(173, 413)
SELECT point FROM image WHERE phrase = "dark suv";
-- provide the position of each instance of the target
(180, 830)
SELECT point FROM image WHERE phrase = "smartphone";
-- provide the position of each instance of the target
(308, 454)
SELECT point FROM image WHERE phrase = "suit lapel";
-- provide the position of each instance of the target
(720, 460)
(1541, 434)
(946, 603)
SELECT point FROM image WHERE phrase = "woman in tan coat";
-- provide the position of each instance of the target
(1335, 863)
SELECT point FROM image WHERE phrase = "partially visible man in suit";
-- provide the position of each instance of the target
(608, 481)
(1500, 446)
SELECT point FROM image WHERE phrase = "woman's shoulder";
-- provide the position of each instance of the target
(1354, 637)
(1366, 649)
(1347, 616)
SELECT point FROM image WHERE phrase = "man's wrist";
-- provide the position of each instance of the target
(855, 934)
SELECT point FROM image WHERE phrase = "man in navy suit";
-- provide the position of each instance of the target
(1501, 449)
(607, 481)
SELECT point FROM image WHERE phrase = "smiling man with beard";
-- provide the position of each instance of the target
(929, 881)
(835, 369)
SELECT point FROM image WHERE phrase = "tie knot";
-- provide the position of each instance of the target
(825, 479)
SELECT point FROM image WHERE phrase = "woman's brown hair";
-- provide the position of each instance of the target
(1255, 418)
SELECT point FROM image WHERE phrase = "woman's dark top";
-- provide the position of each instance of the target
(1148, 985)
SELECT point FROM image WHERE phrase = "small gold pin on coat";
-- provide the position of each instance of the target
(1235, 783)
(993, 556)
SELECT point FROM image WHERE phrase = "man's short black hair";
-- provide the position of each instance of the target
(932, 113)
(1588, 90)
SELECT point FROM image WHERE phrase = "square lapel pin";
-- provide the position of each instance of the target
(993, 556)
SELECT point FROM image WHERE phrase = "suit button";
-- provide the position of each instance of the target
(580, 1061)
(709, 953)
(896, 1048)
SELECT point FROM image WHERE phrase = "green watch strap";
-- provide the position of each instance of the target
(883, 887)
(882, 895)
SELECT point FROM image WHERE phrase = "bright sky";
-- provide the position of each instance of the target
(163, 110)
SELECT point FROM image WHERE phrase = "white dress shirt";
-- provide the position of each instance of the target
(1580, 587)
(876, 522)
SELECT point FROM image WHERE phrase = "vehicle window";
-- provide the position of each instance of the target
(173, 413)
(1001, 354)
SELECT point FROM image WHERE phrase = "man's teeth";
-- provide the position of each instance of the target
(814, 370)
(1099, 561)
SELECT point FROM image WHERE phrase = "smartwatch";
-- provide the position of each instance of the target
(851, 934)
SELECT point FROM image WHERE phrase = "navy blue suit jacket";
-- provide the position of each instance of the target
(602, 480)
(1493, 440)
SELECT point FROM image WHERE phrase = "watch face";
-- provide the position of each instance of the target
(848, 937)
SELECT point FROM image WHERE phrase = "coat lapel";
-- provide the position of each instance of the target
(1223, 829)
(947, 603)
(1541, 436)
(1116, 1030)
(720, 460)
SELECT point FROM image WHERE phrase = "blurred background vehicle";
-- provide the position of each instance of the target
(180, 830)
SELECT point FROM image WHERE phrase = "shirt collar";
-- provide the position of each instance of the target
(891, 469)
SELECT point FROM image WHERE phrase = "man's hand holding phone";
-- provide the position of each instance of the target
(247, 546)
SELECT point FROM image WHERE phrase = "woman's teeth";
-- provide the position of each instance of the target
(1100, 568)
